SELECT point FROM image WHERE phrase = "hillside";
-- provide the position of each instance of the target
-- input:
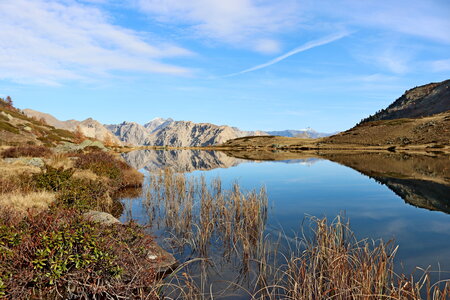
(16, 128)
(418, 119)
(89, 127)
(422, 101)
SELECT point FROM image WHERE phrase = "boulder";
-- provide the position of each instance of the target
(161, 261)
(29, 161)
(100, 217)
(71, 147)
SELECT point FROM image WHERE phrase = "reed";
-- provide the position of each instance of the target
(214, 227)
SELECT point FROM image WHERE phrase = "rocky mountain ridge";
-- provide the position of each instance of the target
(162, 132)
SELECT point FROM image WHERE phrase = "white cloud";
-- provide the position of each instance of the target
(425, 19)
(441, 65)
(267, 46)
(51, 41)
(304, 47)
(242, 23)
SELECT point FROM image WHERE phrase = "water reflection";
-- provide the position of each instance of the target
(420, 180)
(300, 184)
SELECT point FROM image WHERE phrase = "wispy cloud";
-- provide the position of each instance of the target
(52, 41)
(240, 23)
(304, 47)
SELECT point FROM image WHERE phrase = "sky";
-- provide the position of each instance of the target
(254, 64)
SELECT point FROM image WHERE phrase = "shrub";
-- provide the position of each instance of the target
(85, 194)
(52, 179)
(29, 151)
(104, 164)
(57, 254)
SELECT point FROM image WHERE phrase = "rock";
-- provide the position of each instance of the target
(8, 116)
(100, 217)
(71, 147)
(89, 143)
(29, 161)
(27, 128)
(161, 261)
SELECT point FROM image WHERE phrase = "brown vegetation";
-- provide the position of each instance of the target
(27, 151)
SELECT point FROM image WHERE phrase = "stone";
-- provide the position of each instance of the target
(29, 161)
(163, 262)
(100, 217)
(71, 147)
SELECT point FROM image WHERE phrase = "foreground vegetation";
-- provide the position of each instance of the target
(48, 249)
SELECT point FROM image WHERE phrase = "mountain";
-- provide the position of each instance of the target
(89, 127)
(421, 116)
(190, 134)
(307, 133)
(162, 132)
(422, 101)
(131, 133)
(157, 124)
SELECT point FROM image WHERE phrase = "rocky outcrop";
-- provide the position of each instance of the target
(422, 101)
(131, 133)
(189, 134)
(157, 124)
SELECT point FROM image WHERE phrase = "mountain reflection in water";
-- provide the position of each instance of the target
(420, 180)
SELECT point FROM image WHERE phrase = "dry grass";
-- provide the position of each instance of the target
(60, 160)
(85, 174)
(16, 168)
(20, 202)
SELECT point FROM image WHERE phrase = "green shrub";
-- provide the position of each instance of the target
(52, 179)
(59, 255)
(85, 194)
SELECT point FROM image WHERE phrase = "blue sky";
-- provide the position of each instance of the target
(255, 64)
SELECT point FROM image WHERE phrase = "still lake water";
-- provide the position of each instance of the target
(303, 187)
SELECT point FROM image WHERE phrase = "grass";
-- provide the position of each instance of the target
(214, 228)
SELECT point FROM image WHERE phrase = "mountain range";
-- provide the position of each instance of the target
(163, 132)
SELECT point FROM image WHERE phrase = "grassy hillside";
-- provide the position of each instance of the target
(17, 129)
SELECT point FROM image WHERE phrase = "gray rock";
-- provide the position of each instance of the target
(163, 262)
(71, 147)
(100, 217)
(8, 116)
(30, 161)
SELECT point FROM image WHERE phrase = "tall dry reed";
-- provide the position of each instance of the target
(222, 228)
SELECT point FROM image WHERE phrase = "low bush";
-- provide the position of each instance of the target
(85, 194)
(59, 255)
(104, 164)
(52, 179)
(28, 151)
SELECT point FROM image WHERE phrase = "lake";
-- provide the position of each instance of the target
(389, 196)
